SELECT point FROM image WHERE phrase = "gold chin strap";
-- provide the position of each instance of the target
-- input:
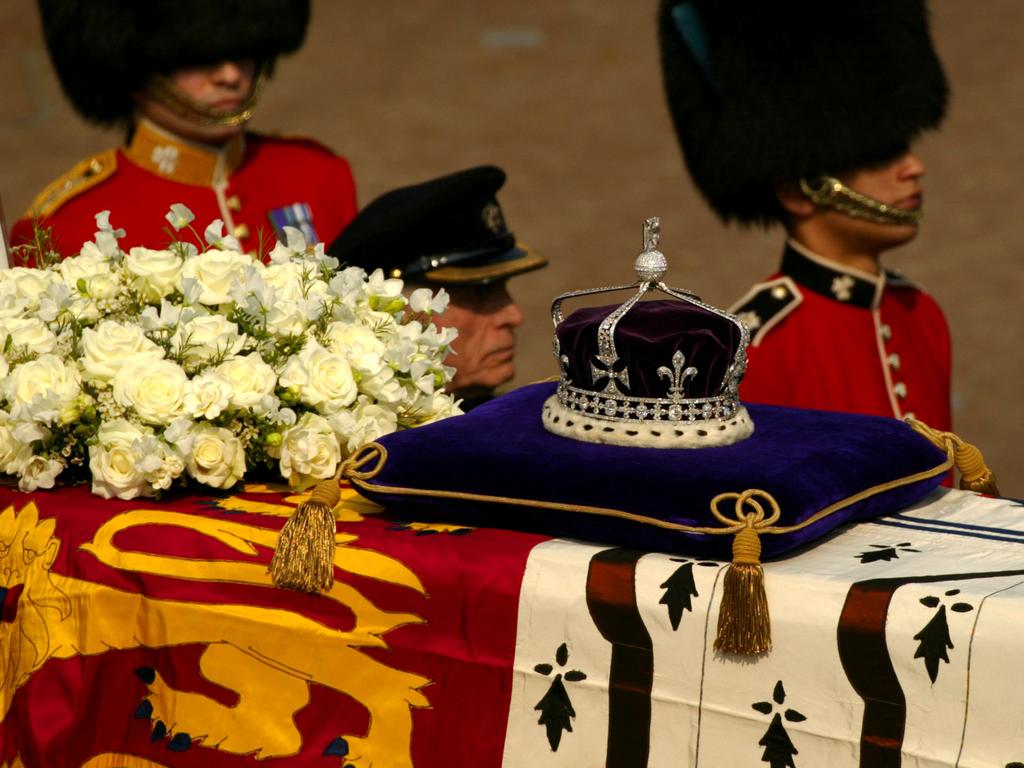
(830, 192)
(162, 90)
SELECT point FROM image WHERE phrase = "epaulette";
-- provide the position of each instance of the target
(899, 280)
(85, 175)
(765, 305)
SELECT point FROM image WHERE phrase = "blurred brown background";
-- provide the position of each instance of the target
(566, 96)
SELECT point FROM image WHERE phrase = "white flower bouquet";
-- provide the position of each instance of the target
(144, 369)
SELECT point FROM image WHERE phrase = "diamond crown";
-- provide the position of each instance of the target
(630, 388)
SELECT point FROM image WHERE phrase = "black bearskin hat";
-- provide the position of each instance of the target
(106, 50)
(767, 91)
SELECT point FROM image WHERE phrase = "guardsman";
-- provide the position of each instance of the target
(183, 77)
(803, 113)
(450, 233)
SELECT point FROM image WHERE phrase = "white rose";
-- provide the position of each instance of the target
(114, 461)
(156, 273)
(83, 267)
(28, 332)
(286, 280)
(323, 380)
(48, 377)
(352, 340)
(207, 336)
(102, 286)
(4, 367)
(106, 347)
(216, 458)
(215, 270)
(251, 379)
(363, 351)
(207, 395)
(11, 304)
(120, 432)
(309, 451)
(39, 472)
(14, 453)
(154, 388)
(31, 284)
(291, 318)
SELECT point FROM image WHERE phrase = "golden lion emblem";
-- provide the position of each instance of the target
(269, 657)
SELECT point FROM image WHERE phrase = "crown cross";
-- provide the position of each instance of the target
(677, 376)
(652, 233)
(608, 372)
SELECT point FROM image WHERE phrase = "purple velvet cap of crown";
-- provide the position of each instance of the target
(645, 338)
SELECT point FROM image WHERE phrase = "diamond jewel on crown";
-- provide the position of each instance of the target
(610, 394)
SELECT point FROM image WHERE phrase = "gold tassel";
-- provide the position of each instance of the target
(304, 558)
(974, 473)
(744, 625)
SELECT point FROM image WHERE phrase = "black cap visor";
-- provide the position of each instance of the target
(479, 267)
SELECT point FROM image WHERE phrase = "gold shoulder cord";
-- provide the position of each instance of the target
(83, 176)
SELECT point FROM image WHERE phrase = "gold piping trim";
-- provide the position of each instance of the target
(454, 274)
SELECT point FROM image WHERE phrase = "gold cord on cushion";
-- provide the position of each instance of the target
(974, 473)
(744, 624)
(304, 558)
(352, 469)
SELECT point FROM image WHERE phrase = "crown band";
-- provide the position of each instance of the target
(708, 433)
(620, 407)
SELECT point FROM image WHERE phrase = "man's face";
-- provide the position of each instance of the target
(896, 183)
(486, 318)
(223, 87)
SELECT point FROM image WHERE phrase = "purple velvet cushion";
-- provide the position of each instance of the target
(807, 460)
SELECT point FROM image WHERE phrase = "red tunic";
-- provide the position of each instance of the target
(254, 184)
(827, 337)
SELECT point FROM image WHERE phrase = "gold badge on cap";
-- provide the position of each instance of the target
(493, 220)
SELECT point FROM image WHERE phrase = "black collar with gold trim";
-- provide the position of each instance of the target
(842, 284)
